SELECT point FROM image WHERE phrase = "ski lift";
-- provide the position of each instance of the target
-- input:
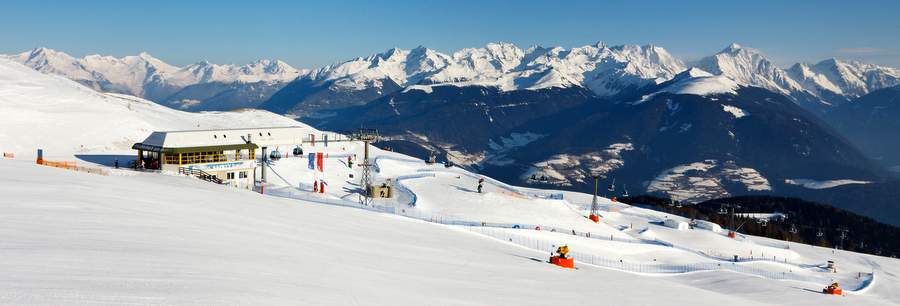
(625, 194)
(298, 151)
(764, 223)
(722, 211)
(794, 229)
(820, 233)
(678, 204)
(612, 187)
(275, 155)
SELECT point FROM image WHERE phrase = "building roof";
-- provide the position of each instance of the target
(267, 136)
(152, 148)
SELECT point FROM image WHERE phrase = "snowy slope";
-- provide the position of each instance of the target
(145, 238)
(63, 117)
(695, 81)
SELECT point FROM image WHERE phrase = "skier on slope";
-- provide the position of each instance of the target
(480, 184)
(350, 162)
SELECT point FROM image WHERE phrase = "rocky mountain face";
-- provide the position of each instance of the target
(696, 137)
(199, 86)
(872, 123)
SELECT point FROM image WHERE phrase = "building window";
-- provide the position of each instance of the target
(242, 174)
(229, 175)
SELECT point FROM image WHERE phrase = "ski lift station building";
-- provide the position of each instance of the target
(227, 156)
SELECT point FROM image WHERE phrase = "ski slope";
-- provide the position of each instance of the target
(634, 235)
(147, 238)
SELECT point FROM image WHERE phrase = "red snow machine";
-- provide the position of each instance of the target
(833, 289)
(561, 258)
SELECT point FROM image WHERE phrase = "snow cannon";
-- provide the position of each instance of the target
(833, 289)
(595, 218)
(561, 258)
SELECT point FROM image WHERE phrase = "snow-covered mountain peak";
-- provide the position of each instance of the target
(751, 67)
(848, 79)
(733, 47)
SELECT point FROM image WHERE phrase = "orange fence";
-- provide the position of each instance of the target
(70, 165)
(9, 155)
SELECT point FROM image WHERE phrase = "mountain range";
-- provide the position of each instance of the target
(728, 124)
(199, 86)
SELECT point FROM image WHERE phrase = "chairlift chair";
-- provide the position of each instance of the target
(275, 155)
(298, 151)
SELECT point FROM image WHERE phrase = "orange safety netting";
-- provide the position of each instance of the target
(70, 165)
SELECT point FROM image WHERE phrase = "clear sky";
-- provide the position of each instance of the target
(315, 33)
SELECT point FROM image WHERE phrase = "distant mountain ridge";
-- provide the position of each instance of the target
(607, 71)
(830, 82)
(146, 76)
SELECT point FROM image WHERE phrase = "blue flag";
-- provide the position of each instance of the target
(312, 161)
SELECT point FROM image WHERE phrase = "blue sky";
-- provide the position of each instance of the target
(310, 34)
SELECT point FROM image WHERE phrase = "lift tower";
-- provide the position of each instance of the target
(595, 207)
(366, 136)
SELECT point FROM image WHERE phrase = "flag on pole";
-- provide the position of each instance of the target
(312, 161)
(320, 161)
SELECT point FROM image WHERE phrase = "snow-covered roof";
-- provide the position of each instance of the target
(265, 136)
